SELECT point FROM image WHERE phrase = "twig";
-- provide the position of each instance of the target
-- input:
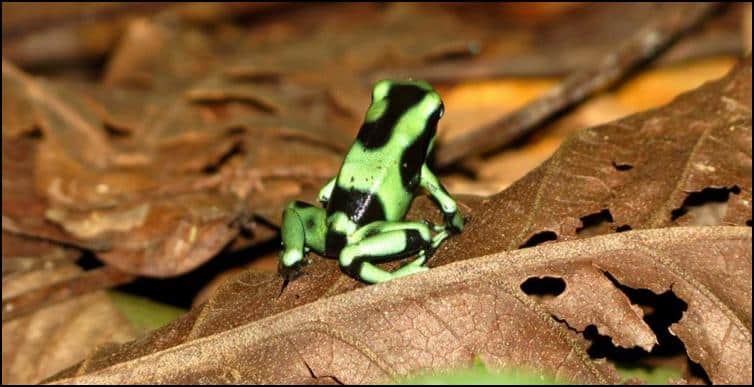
(657, 35)
(536, 65)
(97, 279)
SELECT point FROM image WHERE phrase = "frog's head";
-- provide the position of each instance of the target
(409, 108)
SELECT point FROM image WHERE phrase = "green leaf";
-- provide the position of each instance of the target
(144, 314)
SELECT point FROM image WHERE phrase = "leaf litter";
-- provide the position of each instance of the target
(187, 148)
(321, 325)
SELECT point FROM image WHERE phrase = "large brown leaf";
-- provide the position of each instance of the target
(446, 317)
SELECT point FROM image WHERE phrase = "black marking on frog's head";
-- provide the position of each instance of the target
(400, 97)
(415, 155)
(360, 206)
(302, 205)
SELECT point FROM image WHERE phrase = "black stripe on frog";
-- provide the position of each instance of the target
(400, 98)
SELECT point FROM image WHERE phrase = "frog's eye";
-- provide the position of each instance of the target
(442, 110)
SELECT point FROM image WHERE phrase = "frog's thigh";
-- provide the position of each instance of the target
(385, 241)
(382, 226)
(303, 226)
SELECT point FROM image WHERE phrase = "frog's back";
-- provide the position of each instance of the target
(368, 187)
(380, 173)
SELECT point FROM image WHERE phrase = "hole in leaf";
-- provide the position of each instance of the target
(748, 222)
(696, 371)
(660, 312)
(622, 166)
(543, 287)
(706, 207)
(88, 261)
(623, 228)
(595, 224)
(538, 238)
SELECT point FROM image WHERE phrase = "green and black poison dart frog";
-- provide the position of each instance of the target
(364, 205)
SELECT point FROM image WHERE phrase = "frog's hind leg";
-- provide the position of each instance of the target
(304, 227)
(386, 241)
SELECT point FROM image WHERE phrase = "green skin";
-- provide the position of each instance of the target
(364, 205)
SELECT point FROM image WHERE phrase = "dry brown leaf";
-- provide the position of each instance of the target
(170, 189)
(213, 126)
(53, 338)
(476, 103)
(21, 254)
(180, 125)
(647, 170)
(308, 324)
(446, 317)
(560, 46)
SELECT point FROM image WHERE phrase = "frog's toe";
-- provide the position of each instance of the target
(290, 273)
(439, 238)
(291, 258)
(408, 270)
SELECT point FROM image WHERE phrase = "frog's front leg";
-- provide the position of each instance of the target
(326, 191)
(381, 241)
(453, 218)
(304, 227)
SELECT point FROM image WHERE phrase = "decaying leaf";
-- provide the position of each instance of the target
(196, 133)
(21, 254)
(38, 345)
(158, 204)
(446, 317)
(637, 172)
(314, 324)
(158, 168)
(580, 45)
(650, 38)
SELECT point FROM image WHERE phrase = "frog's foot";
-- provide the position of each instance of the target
(454, 222)
(291, 258)
(374, 274)
(290, 263)
(437, 227)
(413, 267)
(439, 238)
(302, 231)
